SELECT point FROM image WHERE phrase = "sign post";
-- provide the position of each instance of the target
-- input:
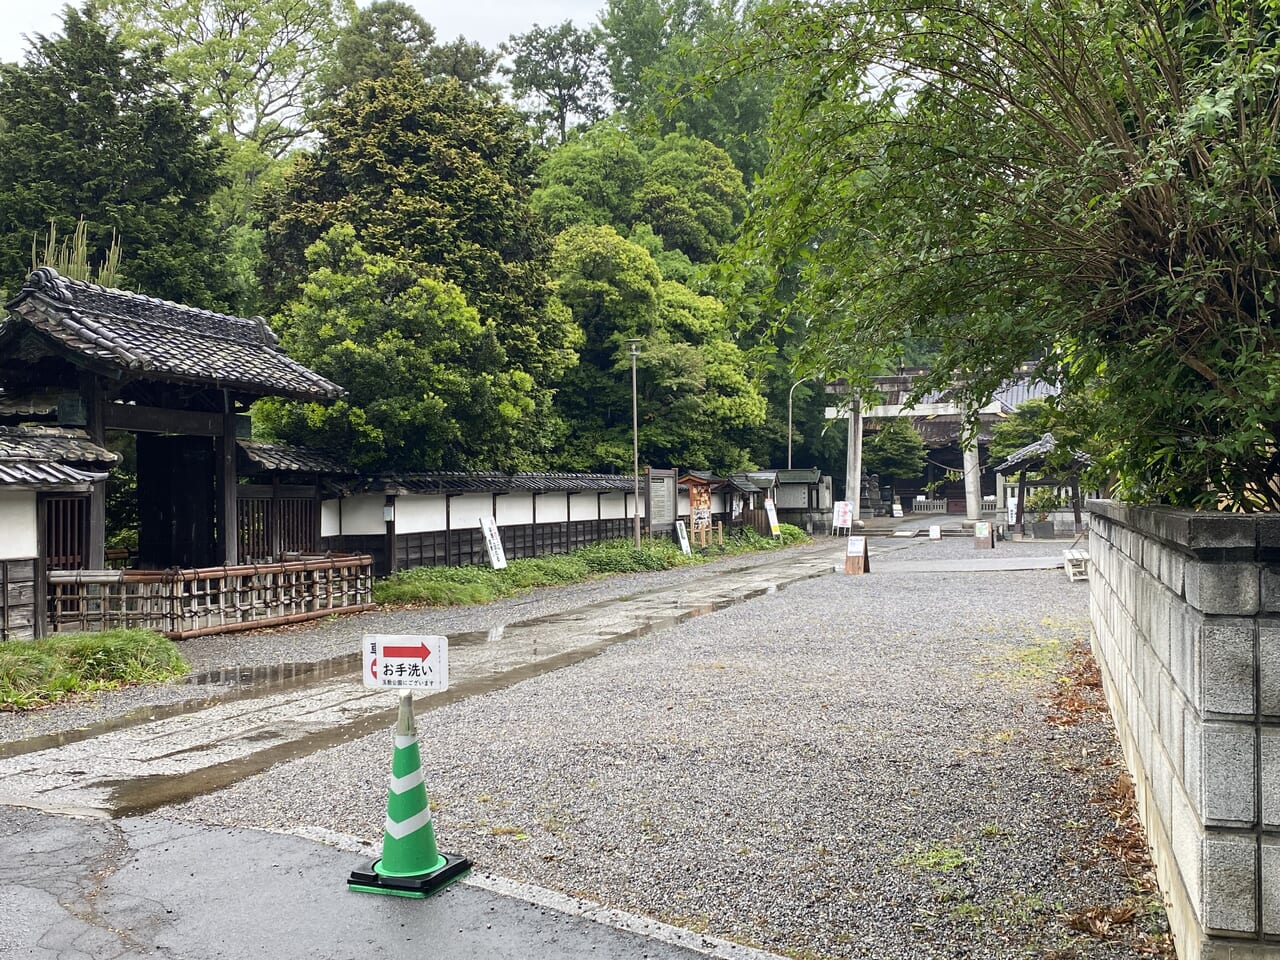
(410, 865)
(984, 535)
(493, 543)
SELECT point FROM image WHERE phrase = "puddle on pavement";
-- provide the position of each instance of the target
(142, 795)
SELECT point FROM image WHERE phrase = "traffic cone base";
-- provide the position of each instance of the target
(417, 885)
(410, 865)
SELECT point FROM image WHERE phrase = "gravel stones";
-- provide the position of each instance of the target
(851, 767)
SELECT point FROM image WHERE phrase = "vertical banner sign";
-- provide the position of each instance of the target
(398, 662)
(856, 558)
(984, 535)
(772, 511)
(683, 536)
(1013, 510)
(493, 543)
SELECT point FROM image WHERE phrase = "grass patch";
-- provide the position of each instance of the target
(452, 586)
(938, 859)
(36, 673)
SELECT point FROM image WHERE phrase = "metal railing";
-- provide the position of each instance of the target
(189, 603)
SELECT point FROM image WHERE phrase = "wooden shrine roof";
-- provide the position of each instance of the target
(160, 340)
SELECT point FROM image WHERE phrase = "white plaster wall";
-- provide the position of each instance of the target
(717, 503)
(330, 522)
(515, 509)
(682, 503)
(18, 539)
(613, 506)
(419, 513)
(465, 511)
(583, 506)
(552, 508)
(362, 514)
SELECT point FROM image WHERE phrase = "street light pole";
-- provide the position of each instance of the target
(790, 394)
(633, 344)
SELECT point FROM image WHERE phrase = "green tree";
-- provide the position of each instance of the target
(666, 62)
(1089, 185)
(894, 452)
(429, 385)
(252, 65)
(561, 71)
(685, 190)
(696, 399)
(90, 128)
(692, 196)
(386, 32)
(438, 176)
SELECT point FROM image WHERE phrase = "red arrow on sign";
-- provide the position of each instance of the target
(373, 668)
(420, 652)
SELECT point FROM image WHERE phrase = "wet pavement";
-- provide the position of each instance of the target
(133, 765)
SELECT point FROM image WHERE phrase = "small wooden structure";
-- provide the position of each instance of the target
(46, 474)
(697, 488)
(1032, 458)
(181, 379)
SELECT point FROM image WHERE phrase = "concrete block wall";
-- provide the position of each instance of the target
(1185, 610)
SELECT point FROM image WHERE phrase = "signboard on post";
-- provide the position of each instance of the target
(493, 543)
(856, 558)
(683, 536)
(660, 499)
(405, 662)
(772, 511)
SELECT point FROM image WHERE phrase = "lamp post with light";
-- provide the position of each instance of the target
(790, 394)
(633, 344)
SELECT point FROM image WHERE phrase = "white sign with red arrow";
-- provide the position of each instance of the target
(399, 661)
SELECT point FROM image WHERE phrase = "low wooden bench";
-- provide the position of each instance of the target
(1076, 563)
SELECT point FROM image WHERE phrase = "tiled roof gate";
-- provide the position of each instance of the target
(176, 376)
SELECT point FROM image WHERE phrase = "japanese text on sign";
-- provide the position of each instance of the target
(394, 661)
(493, 543)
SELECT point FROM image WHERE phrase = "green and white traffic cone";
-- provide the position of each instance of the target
(410, 865)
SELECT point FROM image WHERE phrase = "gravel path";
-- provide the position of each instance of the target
(852, 767)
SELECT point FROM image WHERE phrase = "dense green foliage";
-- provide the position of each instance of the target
(251, 64)
(429, 385)
(434, 300)
(666, 61)
(685, 191)
(894, 452)
(447, 586)
(694, 392)
(387, 32)
(36, 673)
(1088, 184)
(91, 129)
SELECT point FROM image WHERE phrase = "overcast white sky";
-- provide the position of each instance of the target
(487, 21)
